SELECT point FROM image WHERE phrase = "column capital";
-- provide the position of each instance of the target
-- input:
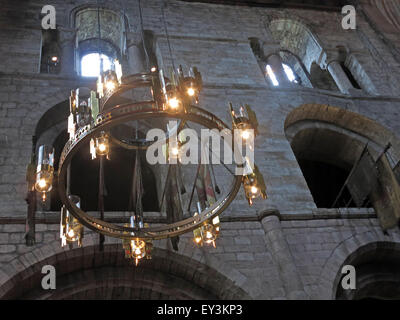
(334, 54)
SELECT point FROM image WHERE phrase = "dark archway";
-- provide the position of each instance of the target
(377, 268)
(325, 181)
(93, 274)
(336, 138)
(55, 115)
(118, 172)
(326, 158)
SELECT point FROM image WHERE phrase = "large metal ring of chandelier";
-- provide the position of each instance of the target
(115, 115)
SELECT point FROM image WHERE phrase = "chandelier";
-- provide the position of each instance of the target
(170, 105)
(92, 123)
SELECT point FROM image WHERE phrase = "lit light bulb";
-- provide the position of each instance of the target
(175, 151)
(153, 69)
(71, 233)
(110, 85)
(254, 190)
(102, 147)
(42, 183)
(197, 239)
(173, 103)
(54, 59)
(246, 134)
(138, 252)
(191, 92)
(209, 235)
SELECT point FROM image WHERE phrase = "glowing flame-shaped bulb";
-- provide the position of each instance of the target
(173, 103)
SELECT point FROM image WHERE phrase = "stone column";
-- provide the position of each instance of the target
(136, 58)
(340, 77)
(275, 61)
(280, 251)
(67, 59)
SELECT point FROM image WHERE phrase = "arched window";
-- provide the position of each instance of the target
(90, 64)
(290, 74)
(326, 154)
(100, 35)
(272, 76)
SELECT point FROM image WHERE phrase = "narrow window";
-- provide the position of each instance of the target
(290, 74)
(272, 76)
(90, 64)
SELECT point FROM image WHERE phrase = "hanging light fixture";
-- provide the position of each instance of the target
(92, 121)
(254, 185)
(245, 122)
(102, 144)
(44, 170)
(70, 229)
(103, 116)
(136, 248)
(207, 233)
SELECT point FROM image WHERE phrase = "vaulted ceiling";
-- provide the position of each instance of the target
(304, 4)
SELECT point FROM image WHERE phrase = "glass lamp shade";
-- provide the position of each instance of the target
(44, 180)
(173, 99)
(44, 169)
(175, 151)
(83, 116)
(102, 145)
(190, 88)
(251, 188)
(71, 229)
(136, 250)
(197, 236)
(110, 80)
(209, 234)
(246, 131)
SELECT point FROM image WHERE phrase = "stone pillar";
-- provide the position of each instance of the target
(340, 77)
(67, 59)
(136, 57)
(280, 251)
(275, 61)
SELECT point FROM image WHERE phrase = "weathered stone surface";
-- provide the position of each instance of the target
(295, 255)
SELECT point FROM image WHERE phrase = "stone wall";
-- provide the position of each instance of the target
(297, 255)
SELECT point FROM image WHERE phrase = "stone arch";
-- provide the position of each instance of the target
(349, 122)
(94, 270)
(348, 251)
(107, 6)
(298, 67)
(327, 142)
(51, 123)
(296, 36)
